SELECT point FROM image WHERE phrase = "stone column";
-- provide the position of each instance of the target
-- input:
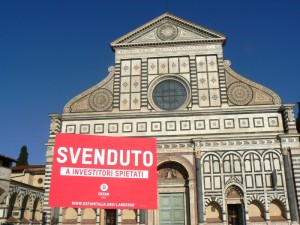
(79, 216)
(142, 216)
(290, 185)
(98, 216)
(119, 216)
(199, 191)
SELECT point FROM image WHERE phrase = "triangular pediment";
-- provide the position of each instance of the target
(168, 29)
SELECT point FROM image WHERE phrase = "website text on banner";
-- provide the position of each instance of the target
(91, 171)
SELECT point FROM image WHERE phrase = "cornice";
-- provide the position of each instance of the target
(169, 43)
(201, 112)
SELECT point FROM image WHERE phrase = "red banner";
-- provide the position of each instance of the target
(90, 171)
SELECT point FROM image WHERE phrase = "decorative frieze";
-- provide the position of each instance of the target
(266, 142)
(179, 125)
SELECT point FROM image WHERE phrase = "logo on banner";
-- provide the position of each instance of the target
(104, 187)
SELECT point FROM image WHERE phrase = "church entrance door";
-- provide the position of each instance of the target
(171, 209)
(235, 214)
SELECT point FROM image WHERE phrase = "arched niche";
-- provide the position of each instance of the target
(213, 212)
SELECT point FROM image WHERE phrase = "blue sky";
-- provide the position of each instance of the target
(52, 50)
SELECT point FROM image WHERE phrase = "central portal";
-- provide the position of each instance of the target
(171, 209)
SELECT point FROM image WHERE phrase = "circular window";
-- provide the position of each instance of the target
(169, 94)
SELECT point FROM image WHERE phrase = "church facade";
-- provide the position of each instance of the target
(228, 149)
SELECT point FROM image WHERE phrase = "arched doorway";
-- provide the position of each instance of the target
(173, 194)
(235, 206)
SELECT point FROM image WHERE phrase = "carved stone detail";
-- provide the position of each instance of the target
(169, 174)
(240, 93)
(241, 142)
(101, 100)
(167, 31)
(285, 151)
(97, 98)
(175, 146)
(55, 125)
(252, 93)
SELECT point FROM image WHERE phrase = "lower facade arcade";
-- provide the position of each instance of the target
(23, 205)
(237, 188)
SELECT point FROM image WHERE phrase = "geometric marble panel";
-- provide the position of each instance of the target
(212, 64)
(124, 101)
(199, 124)
(112, 128)
(185, 125)
(84, 128)
(170, 125)
(98, 128)
(125, 84)
(239, 178)
(258, 122)
(249, 183)
(244, 122)
(184, 64)
(203, 98)
(125, 67)
(228, 123)
(163, 65)
(156, 126)
(207, 183)
(201, 63)
(135, 83)
(127, 127)
(279, 180)
(202, 81)
(268, 180)
(258, 180)
(214, 124)
(70, 129)
(173, 65)
(141, 126)
(226, 178)
(136, 67)
(214, 97)
(135, 101)
(273, 122)
(152, 66)
(213, 78)
(217, 182)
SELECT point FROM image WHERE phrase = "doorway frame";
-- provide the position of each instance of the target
(237, 199)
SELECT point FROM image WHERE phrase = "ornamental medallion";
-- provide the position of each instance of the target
(167, 32)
